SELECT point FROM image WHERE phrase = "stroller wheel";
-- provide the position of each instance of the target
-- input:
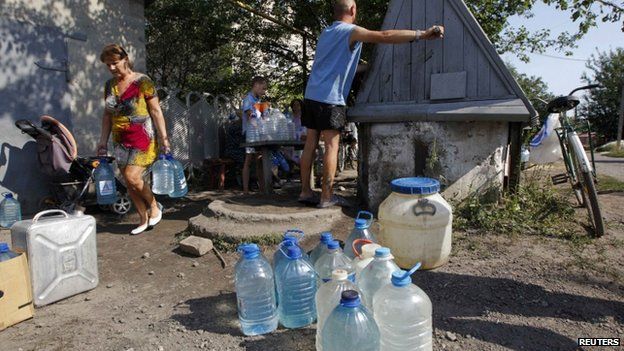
(122, 205)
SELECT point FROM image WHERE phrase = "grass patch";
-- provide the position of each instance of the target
(614, 153)
(609, 184)
(537, 208)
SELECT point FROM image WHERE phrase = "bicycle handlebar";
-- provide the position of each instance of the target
(585, 87)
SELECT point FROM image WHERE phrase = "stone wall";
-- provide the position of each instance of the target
(465, 156)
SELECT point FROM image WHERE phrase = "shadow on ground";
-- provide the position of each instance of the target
(217, 314)
(458, 298)
(461, 302)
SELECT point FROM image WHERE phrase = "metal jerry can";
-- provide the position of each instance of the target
(61, 252)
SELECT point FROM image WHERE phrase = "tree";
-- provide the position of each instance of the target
(211, 45)
(601, 105)
(535, 89)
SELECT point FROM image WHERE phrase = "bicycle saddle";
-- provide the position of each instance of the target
(562, 104)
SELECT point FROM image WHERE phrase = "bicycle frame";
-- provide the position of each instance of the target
(569, 138)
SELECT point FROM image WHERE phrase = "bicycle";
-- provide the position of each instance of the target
(347, 151)
(580, 172)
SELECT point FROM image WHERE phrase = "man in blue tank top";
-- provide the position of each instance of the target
(324, 112)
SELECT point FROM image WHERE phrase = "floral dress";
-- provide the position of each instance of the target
(132, 130)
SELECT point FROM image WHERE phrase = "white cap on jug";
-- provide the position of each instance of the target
(368, 250)
(339, 274)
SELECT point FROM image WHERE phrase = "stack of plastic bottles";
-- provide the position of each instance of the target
(168, 177)
(381, 310)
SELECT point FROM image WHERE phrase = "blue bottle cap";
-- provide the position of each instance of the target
(382, 252)
(4, 247)
(415, 185)
(334, 244)
(249, 250)
(162, 157)
(361, 223)
(103, 160)
(326, 237)
(402, 278)
(8, 195)
(350, 298)
(293, 252)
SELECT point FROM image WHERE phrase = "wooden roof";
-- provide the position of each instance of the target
(458, 78)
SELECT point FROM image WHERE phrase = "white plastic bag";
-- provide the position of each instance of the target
(545, 146)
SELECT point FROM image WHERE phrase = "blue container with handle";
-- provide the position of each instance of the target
(296, 290)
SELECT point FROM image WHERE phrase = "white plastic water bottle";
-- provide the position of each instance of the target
(255, 292)
(10, 211)
(403, 313)
(105, 186)
(321, 247)
(350, 326)
(376, 274)
(363, 258)
(328, 298)
(332, 259)
(361, 230)
(162, 176)
(180, 188)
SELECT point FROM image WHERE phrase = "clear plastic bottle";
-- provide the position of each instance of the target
(350, 326)
(403, 313)
(376, 274)
(105, 187)
(296, 290)
(328, 298)
(280, 255)
(255, 292)
(10, 211)
(162, 176)
(321, 247)
(332, 259)
(361, 230)
(364, 257)
(180, 188)
(5, 253)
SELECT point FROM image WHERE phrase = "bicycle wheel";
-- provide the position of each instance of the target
(341, 157)
(590, 197)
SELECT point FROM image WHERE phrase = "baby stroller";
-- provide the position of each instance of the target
(72, 181)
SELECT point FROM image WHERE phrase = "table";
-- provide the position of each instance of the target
(265, 149)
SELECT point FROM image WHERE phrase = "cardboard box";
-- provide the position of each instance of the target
(16, 302)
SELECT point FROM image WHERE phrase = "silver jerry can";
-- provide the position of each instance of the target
(61, 253)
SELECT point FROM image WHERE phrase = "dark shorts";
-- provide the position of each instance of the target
(320, 116)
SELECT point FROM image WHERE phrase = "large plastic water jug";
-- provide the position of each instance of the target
(291, 238)
(162, 176)
(364, 255)
(416, 223)
(403, 313)
(321, 247)
(10, 211)
(361, 230)
(5, 253)
(105, 187)
(296, 289)
(376, 274)
(350, 326)
(180, 187)
(255, 292)
(333, 258)
(328, 298)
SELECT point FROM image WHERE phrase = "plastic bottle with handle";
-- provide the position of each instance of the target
(361, 230)
(296, 290)
(105, 187)
(364, 255)
(10, 211)
(332, 259)
(162, 176)
(180, 188)
(403, 313)
(321, 247)
(376, 274)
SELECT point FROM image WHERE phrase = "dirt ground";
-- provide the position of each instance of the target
(498, 292)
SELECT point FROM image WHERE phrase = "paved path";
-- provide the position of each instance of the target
(610, 166)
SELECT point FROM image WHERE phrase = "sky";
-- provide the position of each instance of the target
(563, 75)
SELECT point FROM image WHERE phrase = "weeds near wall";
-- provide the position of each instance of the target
(537, 208)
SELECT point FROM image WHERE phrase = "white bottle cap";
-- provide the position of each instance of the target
(339, 274)
(368, 250)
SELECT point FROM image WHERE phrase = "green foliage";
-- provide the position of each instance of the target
(534, 88)
(601, 106)
(214, 46)
(535, 209)
(610, 184)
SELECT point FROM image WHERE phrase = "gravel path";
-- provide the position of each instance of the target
(611, 166)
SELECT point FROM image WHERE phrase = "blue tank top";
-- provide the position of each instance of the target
(334, 65)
